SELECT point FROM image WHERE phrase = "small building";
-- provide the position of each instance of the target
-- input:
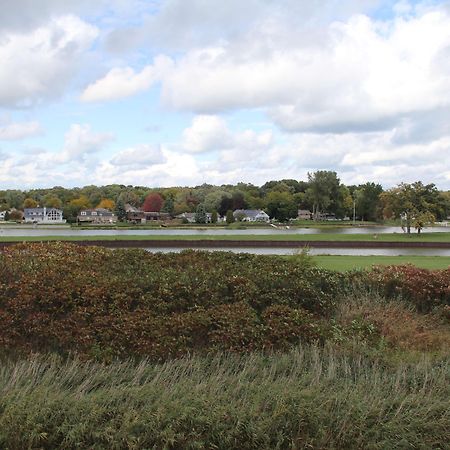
(3, 215)
(43, 215)
(327, 216)
(149, 216)
(251, 215)
(304, 214)
(97, 215)
(190, 217)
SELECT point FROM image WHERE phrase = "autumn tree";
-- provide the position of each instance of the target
(106, 203)
(52, 201)
(75, 206)
(30, 203)
(16, 215)
(153, 202)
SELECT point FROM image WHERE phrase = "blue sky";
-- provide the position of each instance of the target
(183, 92)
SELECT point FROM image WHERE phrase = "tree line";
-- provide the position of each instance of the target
(321, 193)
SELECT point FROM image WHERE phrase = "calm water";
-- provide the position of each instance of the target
(60, 231)
(323, 251)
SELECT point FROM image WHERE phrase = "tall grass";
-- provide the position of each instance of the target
(310, 397)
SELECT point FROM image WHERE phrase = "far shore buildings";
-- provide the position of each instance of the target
(3, 215)
(43, 215)
(97, 215)
(251, 215)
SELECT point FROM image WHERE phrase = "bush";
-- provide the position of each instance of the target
(64, 297)
(425, 289)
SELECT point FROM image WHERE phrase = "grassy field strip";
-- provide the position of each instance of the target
(307, 398)
(343, 263)
(332, 237)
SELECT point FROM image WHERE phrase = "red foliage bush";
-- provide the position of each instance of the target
(426, 289)
(64, 297)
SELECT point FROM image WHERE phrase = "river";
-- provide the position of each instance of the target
(65, 231)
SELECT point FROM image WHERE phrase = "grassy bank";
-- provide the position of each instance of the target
(344, 262)
(310, 397)
(325, 237)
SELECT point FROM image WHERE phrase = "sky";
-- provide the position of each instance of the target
(165, 93)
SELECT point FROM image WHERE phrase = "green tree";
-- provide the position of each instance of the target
(168, 205)
(229, 218)
(323, 192)
(120, 210)
(281, 205)
(214, 217)
(367, 198)
(200, 214)
(409, 202)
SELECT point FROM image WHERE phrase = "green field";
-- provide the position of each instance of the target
(343, 263)
(325, 237)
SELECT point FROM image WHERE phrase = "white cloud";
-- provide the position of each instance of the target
(122, 82)
(207, 133)
(38, 64)
(137, 157)
(179, 25)
(80, 141)
(19, 130)
(175, 169)
(119, 83)
(365, 75)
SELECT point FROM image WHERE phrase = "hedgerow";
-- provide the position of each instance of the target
(425, 289)
(96, 302)
(63, 297)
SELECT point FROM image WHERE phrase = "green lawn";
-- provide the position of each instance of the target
(388, 237)
(342, 263)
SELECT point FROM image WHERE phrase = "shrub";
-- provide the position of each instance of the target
(64, 297)
(425, 289)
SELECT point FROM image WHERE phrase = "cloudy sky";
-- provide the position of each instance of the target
(182, 92)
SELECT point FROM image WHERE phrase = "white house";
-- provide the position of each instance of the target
(251, 215)
(43, 215)
(2, 215)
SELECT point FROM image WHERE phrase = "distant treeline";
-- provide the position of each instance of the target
(323, 192)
